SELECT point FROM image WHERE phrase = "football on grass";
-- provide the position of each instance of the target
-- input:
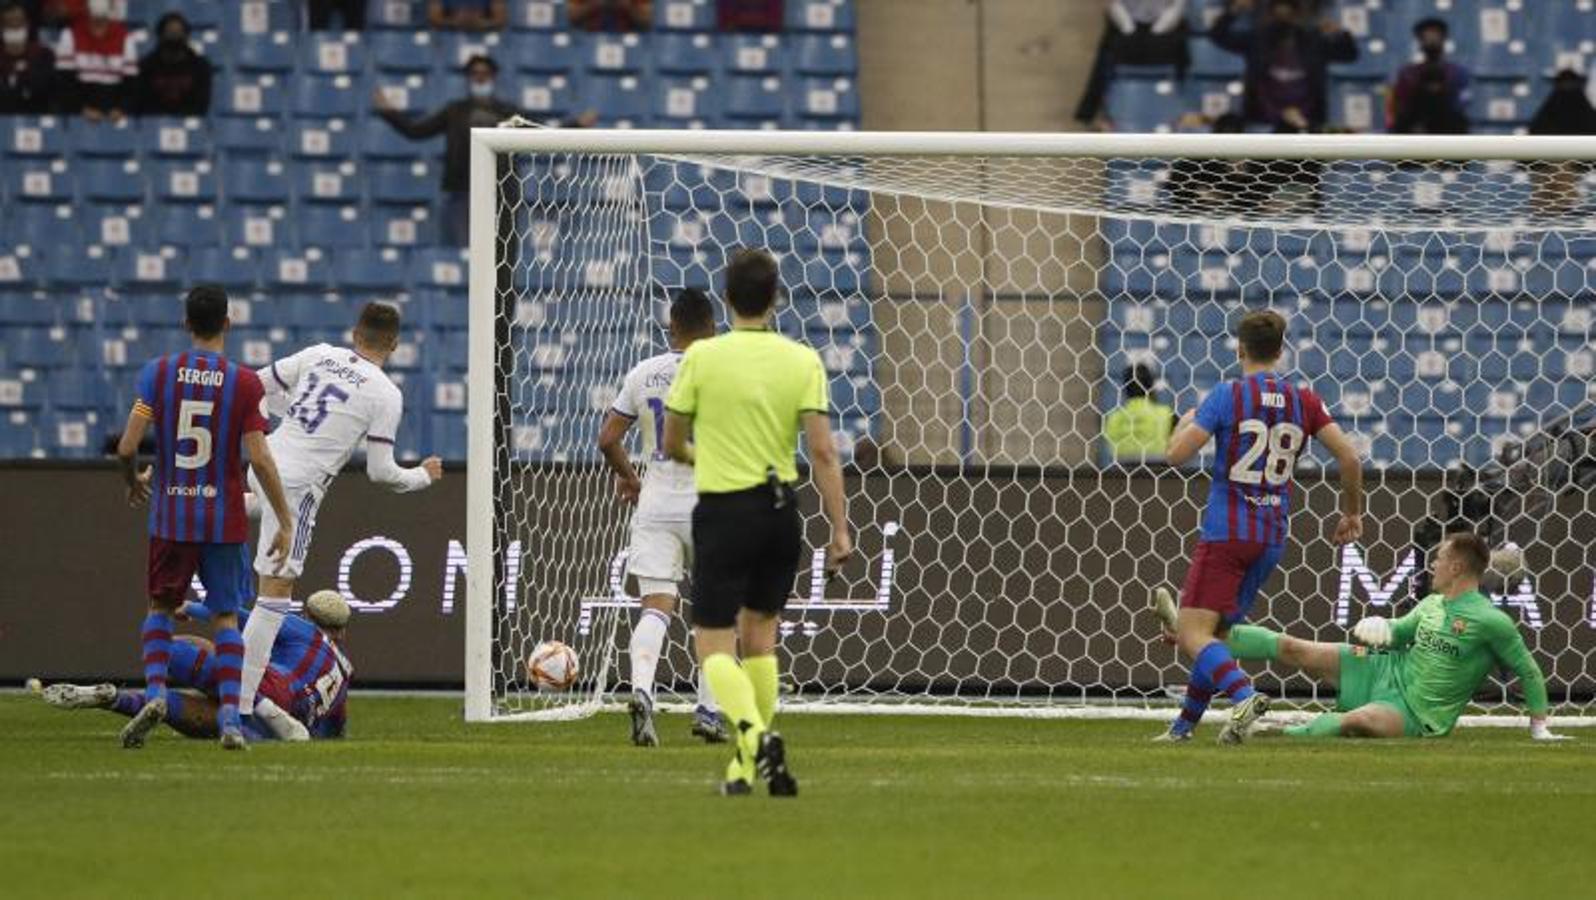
(552, 666)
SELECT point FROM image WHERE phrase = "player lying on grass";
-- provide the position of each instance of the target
(331, 400)
(1412, 676)
(662, 526)
(303, 692)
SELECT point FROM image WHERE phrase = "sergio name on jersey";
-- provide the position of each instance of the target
(669, 494)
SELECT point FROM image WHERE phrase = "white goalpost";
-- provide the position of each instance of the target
(978, 299)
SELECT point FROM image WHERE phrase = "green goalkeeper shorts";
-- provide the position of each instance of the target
(1371, 678)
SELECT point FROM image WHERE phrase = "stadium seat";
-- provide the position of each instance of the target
(106, 140)
(79, 267)
(70, 435)
(232, 267)
(259, 95)
(250, 19)
(684, 15)
(753, 54)
(296, 272)
(829, 98)
(249, 181)
(685, 54)
(620, 100)
(330, 227)
(1502, 103)
(324, 139)
(399, 226)
(33, 137)
(39, 226)
(17, 438)
(402, 15)
(141, 271)
(547, 96)
(831, 54)
(247, 137)
(269, 53)
(754, 98)
(337, 184)
(27, 310)
(174, 139)
(611, 53)
(370, 271)
(546, 52)
(111, 181)
(410, 184)
(454, 48)
(438, 269)
(537, 15)
(820, 15)
(327, 97)
(189, 181)
(327, 53)
(1145, 104)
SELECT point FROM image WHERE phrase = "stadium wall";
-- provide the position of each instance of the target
(1030, 595)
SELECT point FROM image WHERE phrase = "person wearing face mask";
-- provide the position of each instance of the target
(174, 80)
(27, 67)
(1430, 96)
(96, 53)
(480, 108)
(1287, 61)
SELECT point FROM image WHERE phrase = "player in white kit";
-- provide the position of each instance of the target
(330, 399)
(662, 526)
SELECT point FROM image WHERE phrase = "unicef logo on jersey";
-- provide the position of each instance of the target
(207, 491)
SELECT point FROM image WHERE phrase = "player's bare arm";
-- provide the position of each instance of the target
(127, 452)
(1350, 527)
(1187, 441)
(677, 428)
(260, 457)
(826, 471)
(627, 485)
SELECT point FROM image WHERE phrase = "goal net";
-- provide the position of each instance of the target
(978, 300)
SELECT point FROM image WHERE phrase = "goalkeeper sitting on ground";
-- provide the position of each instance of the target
(1411, 677)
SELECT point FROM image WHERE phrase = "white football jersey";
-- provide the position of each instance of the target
(330, 400)
(669, 493)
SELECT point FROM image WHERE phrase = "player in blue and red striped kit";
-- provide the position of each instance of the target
(1260, 424)
(205, 411)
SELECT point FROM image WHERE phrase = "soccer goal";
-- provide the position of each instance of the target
(978, 299)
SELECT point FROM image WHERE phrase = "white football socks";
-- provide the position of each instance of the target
(260, 632)
(648, 639)
(706, 697)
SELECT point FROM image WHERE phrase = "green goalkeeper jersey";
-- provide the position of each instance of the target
(1448, 647)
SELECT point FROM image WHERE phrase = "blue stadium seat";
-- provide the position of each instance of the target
(537, 15)
(621, 100)
(111, 181)
(320, 312)
(272, 53)
(232, 267)
(296, 272)
(454, 48)
(70, 435)
(330, 227)
(19, 309)
(684, 102)
(685, 54)
(250, 181)
(174, 139)
(1502, 103)
(410, 184)
(753, 54)
(79, 267)
(398, 226)
(404, 15)
(258, 95)
(41, 137)
(402, 51)
(40, 226)
(183, 182)
(324, 139)
(754, 98)
(1145, 105)
(324, 97)
(108, 140)
(611, 53)
(17, 439)
(439, 269)
(255, 226)
(684, 15)
(413, 94)
(820, 15)
(1507, 60)
(831, 54)
(370, 271)
(548, 96)
(338, 184)
(326, 53)
(546, 52)
(251, 137)
(245, 20)
(139, 271)
(48, 348)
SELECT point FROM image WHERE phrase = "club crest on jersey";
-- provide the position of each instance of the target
(1459, 626)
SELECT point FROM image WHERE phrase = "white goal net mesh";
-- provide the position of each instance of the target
(978, 316)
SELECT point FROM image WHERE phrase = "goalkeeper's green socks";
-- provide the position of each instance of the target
(763, 674)
(735, 693)
(1252, 642)
(1321, 726)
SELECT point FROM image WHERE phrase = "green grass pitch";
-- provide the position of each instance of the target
(419, 804)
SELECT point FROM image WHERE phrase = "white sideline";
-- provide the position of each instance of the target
(1089, 145)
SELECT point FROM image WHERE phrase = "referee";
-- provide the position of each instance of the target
(744, 396)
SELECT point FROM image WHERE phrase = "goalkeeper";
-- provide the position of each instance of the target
(1412, 676)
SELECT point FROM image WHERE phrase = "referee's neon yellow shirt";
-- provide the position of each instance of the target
(747, 392)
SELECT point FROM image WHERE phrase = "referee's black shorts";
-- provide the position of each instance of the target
(746, 553)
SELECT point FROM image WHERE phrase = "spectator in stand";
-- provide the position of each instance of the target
(750, 15)
(27, 67)
(612, 15)
(351, 14)
(1567, 110)
(96, 53)
(174, 79)
(468, 15)
(59, 13)
(1287, 62)
(1135, 33)
(1139, 430)
(1430, 97)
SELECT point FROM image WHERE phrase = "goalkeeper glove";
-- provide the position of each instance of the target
(1540, 732)
(1374, 631)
